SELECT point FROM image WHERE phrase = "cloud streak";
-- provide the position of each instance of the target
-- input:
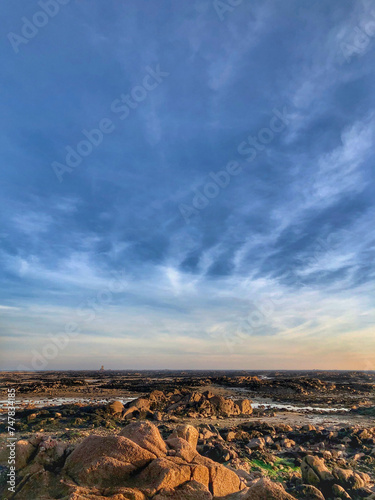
(285, 251)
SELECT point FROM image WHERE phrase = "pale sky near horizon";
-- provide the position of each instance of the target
(222, 216)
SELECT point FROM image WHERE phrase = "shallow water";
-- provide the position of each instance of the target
(256, 403)
(39, 403)
(286, 406)
(269, 403)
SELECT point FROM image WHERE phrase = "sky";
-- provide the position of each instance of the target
(187, 185)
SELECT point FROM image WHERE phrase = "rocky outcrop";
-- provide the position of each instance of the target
(309, 492)
(338, 483)
(178, 461)
(182, 448)
(137, 464)
(115, 408)
(262, 489)
(146, 435)
(162, 474)
(188, 433)
(349, 479)
(24, 451)
(315, 472)
(188, 491)
(192, 404)
(106, 461)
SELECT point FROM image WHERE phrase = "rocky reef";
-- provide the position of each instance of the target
(136, 464)
(185, 403)
(252, 461)
(191, 435)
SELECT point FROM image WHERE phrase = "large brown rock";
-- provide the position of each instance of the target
(223, 481)
(42, 485)
(115, 408)
(265, 489)
(224, 407)
(146, 435)
(125, 494)
(118, 494)
(339, 492)
(315, 472)
(162, 473)
(141, 404)
(24, 451)
(309, 492)
(350, 479)
(201, 474)
(262, 489)
(192, 490)
(256, 444)
(130, 412)
(245, 407)
(106, 461)
(182, 448)
(157, 397)
(187, 432)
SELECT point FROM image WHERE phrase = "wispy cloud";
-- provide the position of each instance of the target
(290, 240)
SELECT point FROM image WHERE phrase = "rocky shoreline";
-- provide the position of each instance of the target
(148, 460)
(314, 388)
(191, 437)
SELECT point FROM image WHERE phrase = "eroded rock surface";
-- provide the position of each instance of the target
(248, 461)
(137, 464)
(193, 404)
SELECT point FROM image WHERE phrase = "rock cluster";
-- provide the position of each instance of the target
(306, 388)
(136, 464)
(341, 389)
(315, 463)
(179, 461)
(335, 483)
(191, 404)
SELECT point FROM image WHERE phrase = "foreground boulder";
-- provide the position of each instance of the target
(146, 435)
(188, 433)
(181, 449)
(137, 464)
(80, 493)
(40, 485)
(106, 461)
(188, 491)
(262, 489)
(222, 481)
(162, 473)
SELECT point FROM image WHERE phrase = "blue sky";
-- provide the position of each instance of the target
(223, 214)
